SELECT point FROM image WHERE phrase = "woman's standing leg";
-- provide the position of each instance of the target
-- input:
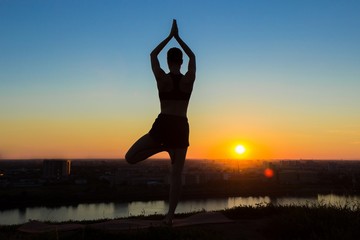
(177, 164)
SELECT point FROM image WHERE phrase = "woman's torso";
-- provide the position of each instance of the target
(174, 94)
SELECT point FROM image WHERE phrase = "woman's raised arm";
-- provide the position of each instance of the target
(192, 61)
(155, 64)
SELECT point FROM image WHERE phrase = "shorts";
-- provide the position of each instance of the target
(171, 131)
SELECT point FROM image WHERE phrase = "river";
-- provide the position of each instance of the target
(98, 211)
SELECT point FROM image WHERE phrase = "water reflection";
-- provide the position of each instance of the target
(351, 202)
(297, 201)
(146, 208)
(117, 210)
(248, 201)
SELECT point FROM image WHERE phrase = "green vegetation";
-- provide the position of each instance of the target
(260, 222)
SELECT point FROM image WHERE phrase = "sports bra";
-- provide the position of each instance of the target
(175, 93)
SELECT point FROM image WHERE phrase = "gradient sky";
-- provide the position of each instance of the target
(280, 77)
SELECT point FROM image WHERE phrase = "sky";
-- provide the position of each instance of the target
(281, 78)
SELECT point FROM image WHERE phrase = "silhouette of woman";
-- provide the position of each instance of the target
(170, 131)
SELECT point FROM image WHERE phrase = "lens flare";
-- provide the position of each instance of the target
(269, 173)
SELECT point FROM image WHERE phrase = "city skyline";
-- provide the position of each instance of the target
(279, 77)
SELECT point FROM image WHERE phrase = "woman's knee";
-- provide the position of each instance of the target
(130, 158)
(133, 157)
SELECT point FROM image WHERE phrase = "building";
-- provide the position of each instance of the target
(56, 169)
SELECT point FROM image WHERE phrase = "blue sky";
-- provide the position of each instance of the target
(268, 72)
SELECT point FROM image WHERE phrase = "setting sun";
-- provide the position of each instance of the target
(240, 149)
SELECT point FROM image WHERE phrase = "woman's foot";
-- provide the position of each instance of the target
(168, 221)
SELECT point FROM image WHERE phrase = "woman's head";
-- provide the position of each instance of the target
(175, 56)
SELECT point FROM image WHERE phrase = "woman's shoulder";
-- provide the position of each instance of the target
(164, 82)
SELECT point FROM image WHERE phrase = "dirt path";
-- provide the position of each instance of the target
(203, 225)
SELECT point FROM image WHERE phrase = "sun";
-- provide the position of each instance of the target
(240, 149)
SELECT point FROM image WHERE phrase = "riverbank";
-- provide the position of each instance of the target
(67, 195)
(261, 222)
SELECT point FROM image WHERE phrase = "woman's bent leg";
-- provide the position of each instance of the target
(142, 149)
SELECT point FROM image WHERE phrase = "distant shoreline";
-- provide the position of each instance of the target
(112, 181)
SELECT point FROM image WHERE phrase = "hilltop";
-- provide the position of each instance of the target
(261, 222)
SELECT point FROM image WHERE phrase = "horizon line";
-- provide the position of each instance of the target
(193, 159)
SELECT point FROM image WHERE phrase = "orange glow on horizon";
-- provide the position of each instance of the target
(235, 149)
(111, 138)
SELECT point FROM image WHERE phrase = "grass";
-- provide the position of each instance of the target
(320, 222)
(309, 221)
(267, 221)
